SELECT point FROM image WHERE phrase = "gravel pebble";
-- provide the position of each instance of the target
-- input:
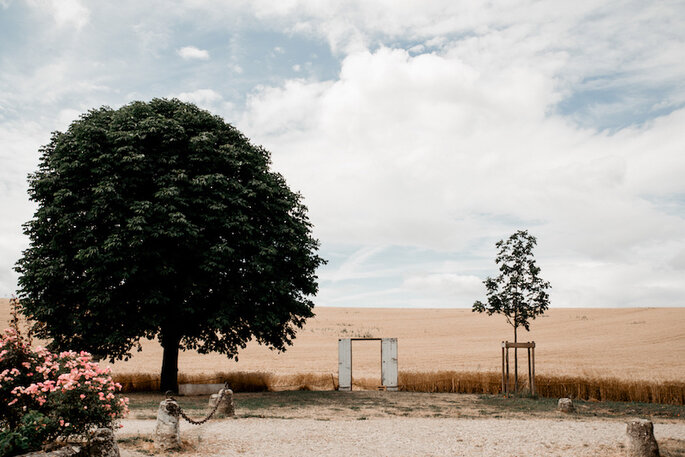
(404, 437)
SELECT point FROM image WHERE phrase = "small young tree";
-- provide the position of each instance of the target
(518, 292)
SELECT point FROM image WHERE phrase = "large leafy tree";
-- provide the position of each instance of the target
(518, 292)
(161, 220)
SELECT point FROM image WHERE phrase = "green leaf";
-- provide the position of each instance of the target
(160, 219)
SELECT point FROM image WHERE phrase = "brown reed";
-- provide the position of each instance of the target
(238, 381)
(590, 388)
(557, 386)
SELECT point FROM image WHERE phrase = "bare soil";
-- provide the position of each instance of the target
(403, 437)
(404, 424)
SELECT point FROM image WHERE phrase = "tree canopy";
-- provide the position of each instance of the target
(161, 220)
(518, 292)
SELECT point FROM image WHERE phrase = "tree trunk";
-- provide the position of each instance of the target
(516, 364)
(169, 375)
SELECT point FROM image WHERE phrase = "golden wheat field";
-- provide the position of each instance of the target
(631, 344)
(634, 344)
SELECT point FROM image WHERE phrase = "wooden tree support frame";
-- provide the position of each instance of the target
(506, 345)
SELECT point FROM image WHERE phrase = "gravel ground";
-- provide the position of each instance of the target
(401, 437)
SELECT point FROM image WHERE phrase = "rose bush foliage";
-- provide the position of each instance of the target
(45, 396)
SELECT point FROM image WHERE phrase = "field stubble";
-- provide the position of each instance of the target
(633, 354)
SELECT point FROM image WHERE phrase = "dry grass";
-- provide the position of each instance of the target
(612, 389)
(239, 381)
(137, 382)
(582, 388)
(468, 382)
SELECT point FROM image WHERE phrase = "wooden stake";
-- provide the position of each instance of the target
(530, 375)
(504, 387)
(533, 376)
(507, 383)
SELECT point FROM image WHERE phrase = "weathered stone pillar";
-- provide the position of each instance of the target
(640, 439)
(167, 434)
(103, 444)
(226, 407)
(565, 405)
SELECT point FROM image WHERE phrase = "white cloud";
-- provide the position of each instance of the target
(417, 49)
(70, 12)
(210, 100)
(16, 139)
(191, 52)
(66, 116)
(200, 96)
(433, 150)
(152, 36)
(354, 266)
(41, 93)
(448, 282)
(493, 119)
(64, 12)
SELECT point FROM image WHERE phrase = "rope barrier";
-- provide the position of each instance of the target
(176, 409)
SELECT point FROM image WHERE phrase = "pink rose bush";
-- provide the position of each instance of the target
(45, 396)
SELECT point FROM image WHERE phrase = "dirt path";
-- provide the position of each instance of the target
(402, 437)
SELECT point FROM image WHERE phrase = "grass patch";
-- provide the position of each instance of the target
(498, 403)
(529, 405)
(331, 405)
(141, 444)
(671, 447)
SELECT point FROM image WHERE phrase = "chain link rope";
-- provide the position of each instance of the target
(176, 410)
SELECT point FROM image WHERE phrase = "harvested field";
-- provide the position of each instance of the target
(602, 354)
(623, 343)
(633, 343)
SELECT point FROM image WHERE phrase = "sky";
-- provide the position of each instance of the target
(418, 133)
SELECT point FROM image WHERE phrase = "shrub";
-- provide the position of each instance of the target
(31, 433)
(45, 396)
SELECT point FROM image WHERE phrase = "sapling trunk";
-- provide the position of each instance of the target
(516, 364)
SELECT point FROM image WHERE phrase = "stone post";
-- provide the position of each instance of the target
(226, 407)
(167, 434)
(103, 444)
(565, 405)
(640, 439)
